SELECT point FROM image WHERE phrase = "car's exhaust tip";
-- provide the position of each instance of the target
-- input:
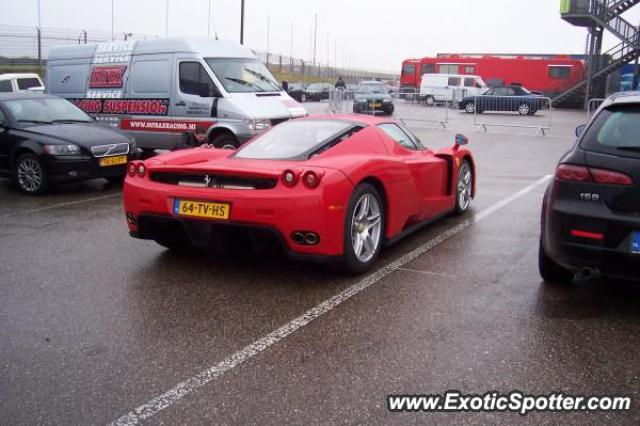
(585, 274)
(298, 237)
(305, 238)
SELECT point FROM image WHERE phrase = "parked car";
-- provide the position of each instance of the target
(318, 91)
(590, 223)
(372, 97)
(504, 98)
(449, 87)
(157, 89)
(297, 91)
(46, 138)
(20, 82)
(318, 187)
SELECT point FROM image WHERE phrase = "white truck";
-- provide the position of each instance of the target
(449, 87)
(158, 89)
(20, 82)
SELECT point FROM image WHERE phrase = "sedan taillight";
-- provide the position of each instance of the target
(571, 172)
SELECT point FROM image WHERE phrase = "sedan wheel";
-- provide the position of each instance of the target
(523, 109)
(464, 187)
(30, 175)
(470, 107)
(364, 228)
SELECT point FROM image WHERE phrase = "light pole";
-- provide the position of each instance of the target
(112, 1)
(315, 40)
(241, 21)
(166, 21)
(209, 21)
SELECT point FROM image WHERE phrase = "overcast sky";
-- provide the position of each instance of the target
(374, 34)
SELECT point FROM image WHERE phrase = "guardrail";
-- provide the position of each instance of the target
(531, 112)
(591, 105)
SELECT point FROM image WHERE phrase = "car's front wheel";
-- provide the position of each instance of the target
(550, 271)
(29, 174)
(364, 228)
(303, 98)
(430, 101)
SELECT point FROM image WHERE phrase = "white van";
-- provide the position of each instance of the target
(449, 87)
(20, 82)
(157, 89)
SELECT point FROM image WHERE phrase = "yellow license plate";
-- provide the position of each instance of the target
(113, 161)
(201, 209)
(377, 104)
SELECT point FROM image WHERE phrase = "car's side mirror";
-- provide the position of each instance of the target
(461, 139)
(580, 130)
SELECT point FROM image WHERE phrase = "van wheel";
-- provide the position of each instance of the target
(225, 141)
(430, 101)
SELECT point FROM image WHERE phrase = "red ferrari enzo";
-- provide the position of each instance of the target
(326, 187)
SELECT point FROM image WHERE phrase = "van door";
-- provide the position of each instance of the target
(195, 91)
(149, 81)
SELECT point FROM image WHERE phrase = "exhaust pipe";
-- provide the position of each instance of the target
(298, 237)
(311, 239)
(586, 274)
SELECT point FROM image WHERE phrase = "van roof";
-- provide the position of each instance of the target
(202, 46)
(452, 75)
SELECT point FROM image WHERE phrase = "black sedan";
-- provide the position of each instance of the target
(297, 91)
(590, 221)
(45, 139)
(371, 97)
(504, 98)
(318, 91)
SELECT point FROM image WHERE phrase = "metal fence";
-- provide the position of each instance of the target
(593, 105)
(22, 45)
(532, 112)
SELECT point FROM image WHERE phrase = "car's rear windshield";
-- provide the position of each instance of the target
(293, 139)
(616, 130)
(28, 83)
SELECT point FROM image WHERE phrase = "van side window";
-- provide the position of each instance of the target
(428, 69)
(6, 86)
(559, 72)
(27, 83)
(194, 80)
(454, 81)
(469, 82)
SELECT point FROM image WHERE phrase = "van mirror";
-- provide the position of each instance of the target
(580, 130)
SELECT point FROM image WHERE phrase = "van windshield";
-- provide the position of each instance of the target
(243, 75)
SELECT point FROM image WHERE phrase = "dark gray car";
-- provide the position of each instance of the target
(372, 97)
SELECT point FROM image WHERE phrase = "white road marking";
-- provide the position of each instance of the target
(184, 388)
(72, 203)
(417, 271)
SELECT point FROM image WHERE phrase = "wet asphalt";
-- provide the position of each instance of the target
(94, 323)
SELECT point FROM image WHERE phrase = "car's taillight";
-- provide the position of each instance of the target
(141, 169)
(289, 178)
(131, 168)
(311, 179)
(575, 173)
(610, 177)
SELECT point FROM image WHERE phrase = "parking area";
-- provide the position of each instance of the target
(98, 327)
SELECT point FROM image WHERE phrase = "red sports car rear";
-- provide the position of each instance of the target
(324, 188)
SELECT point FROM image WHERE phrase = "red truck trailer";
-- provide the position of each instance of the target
(546, 74)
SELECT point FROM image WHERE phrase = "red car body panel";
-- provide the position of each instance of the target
(416, 186)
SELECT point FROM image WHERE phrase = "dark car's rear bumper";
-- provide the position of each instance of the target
(612, 255)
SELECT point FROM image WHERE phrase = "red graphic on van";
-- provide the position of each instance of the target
(107, 77)
(123, 106)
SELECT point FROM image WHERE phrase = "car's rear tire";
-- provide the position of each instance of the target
(225, 141)
(464, 187)
(363, 229)
(550, 271)
(29, 174)
(524, 109)
(470, 107)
